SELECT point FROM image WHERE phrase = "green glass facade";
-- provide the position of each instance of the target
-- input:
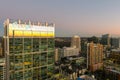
(31, 58)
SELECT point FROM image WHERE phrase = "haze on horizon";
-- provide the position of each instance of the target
(81, 17)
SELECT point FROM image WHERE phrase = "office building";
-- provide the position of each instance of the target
(29, 50)
(76, 42)
(106, 40)
(94, 56)
(115, 42)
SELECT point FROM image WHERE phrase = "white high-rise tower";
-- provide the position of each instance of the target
(76, 42)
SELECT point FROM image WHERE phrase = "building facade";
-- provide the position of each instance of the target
(115, 55)
(1, 51)
(76, 42)
(1, 47)
(106, 40)
(115, 42)
(29, 50)
(69, 51)
(94, 56)
(57, 56)
(2, 69)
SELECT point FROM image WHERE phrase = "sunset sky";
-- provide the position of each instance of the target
(81, 17)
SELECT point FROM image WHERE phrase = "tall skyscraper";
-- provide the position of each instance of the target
(76, 42)
(106, 40)
(29, 50)
(94, 56)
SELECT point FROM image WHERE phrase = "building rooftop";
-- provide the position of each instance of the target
(115, 50)
(76, 36)
(86, 77)
(28, 22)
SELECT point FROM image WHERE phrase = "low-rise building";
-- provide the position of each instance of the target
(69, 51)
(115, 55)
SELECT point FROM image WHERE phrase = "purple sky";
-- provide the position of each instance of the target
(81, 17)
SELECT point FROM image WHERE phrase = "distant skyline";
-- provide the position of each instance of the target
(72, 17)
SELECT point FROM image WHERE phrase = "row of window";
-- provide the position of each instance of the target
(25, 45)
(23, 63)
(17, 62)
(32, 74)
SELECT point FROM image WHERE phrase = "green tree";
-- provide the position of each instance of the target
(93, 39)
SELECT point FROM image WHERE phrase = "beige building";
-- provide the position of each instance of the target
(94, 56)
(1, 53)
(69, 51)
(76, 42)
(56, 54)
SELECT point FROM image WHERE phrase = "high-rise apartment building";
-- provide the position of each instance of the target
(94, 56)
(106, 40)
(76, 42)
(29, 50)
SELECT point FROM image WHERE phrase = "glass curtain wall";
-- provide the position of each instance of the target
(31, 58)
